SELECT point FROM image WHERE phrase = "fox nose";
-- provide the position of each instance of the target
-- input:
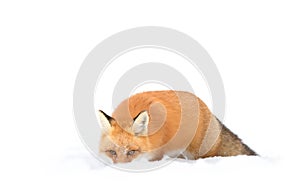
(121, 160)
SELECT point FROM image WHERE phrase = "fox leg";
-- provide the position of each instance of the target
(156, 156)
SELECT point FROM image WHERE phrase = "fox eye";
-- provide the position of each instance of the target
(112, 152)
(131, 152)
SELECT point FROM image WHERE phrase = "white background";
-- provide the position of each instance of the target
(132, 59)
(255, 45)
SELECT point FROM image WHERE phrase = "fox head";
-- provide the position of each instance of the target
(123, 145)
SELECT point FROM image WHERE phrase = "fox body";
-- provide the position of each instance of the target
(173, 123)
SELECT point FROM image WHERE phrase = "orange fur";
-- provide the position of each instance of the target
(180, 124)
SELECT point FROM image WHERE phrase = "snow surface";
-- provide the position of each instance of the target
(226, 175)
(255, 45)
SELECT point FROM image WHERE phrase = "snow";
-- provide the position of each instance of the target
(255, 46)
(230, 175)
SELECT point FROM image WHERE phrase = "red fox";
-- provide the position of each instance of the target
(172, 123)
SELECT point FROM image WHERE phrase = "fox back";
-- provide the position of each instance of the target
(172, 123)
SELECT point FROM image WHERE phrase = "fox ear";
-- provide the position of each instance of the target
(140, 124)
(105, 121)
